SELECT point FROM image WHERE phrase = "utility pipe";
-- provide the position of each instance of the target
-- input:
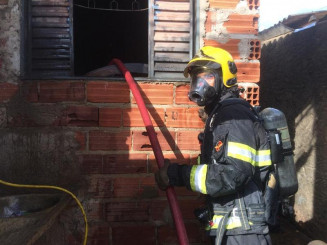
(171, 194)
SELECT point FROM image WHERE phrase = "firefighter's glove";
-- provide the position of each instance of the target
(161, 176)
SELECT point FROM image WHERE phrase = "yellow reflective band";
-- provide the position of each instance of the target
(248, 154)
(192, 178)
(198, 178)
(232, 223)
(198, 160)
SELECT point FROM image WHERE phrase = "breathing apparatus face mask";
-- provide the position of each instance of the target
(204, 86)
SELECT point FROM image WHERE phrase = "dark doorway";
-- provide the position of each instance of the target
(107, 29)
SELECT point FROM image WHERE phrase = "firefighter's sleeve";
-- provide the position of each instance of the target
(233, 164)
(214, 179)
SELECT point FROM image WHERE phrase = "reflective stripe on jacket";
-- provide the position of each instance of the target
(235, 150)
(235, 147)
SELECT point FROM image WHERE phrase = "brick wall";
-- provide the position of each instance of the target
(88, 136)
(293, 79)
(111, 152)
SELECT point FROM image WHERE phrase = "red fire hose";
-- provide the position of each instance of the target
(171, 195)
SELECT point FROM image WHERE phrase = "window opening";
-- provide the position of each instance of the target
(104, 30)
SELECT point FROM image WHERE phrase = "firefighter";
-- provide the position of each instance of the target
(235, 155)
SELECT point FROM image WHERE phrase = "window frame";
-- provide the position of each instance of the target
(26, 44)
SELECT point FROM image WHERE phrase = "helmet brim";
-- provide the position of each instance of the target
(201, 62)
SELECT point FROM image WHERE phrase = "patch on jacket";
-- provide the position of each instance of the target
(219, 145)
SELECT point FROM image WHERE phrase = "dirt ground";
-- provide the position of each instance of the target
(289, 234)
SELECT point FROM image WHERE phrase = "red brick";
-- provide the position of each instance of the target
(231, 46)
(159, 210)
(101, 140)
(126, 187)
(99, 234)
(135, 187)
(124, 163)
(161, 94)
(127, 211)
(248, 72)
(188, 140)
(132, 117)
(148, 187)
(132, 234)
(22, 119)
(81, 116)
(255, 48)
(61, 91)
(182, 95)
(242, 24)
(210, 21)
(251, 93)
(30, 91)
(81, 139)
(3, 2)
(110, 117)
(91, 164)
(141, 141)
(253, 4)
(111, 92)
(174, 158)
(167, 235)
(183, 118)
(94, 210)
(223, 4)
(188, 206)
(100, 186)
(7, 90)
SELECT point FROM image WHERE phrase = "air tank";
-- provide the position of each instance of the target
(275, 121)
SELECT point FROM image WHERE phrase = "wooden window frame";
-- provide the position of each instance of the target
(173, 63)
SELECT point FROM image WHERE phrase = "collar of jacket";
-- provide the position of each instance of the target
(213, 106)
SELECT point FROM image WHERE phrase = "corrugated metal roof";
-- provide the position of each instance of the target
(301, 20)
(292, 23)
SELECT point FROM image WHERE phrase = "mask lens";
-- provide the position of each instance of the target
(202, 80)
(202, 85)
(208, 77)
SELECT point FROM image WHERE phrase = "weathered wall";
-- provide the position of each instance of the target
(88, 136)
(293, 79)
(233, 25)
(9, 40)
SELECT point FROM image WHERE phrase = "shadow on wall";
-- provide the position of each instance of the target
(293, 79)
(38, 146)
(32, 153)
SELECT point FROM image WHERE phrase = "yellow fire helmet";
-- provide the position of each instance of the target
(215, 58)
